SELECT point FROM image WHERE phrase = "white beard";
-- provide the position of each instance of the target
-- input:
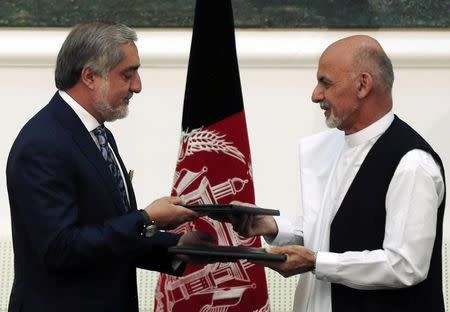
(331, 121)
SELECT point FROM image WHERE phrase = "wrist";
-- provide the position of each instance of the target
(149, 227)
(145, 217)
(314, 260)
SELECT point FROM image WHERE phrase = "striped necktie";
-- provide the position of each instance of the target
(100, 133)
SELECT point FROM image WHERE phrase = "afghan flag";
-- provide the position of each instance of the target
(214, 167)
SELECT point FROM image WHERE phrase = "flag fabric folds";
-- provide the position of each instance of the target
(214, 167)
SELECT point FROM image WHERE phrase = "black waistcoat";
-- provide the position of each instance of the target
(360, 222)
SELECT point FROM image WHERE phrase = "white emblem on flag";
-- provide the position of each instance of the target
(207, 141)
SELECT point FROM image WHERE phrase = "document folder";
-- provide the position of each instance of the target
(233, 209)
(227, 253)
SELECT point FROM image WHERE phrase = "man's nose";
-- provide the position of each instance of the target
(136, 85)
(317, 95)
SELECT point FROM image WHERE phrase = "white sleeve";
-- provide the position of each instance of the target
(414, 195)
(289, 232)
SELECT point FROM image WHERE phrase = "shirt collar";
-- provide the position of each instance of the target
(86, 118)
(368, 133)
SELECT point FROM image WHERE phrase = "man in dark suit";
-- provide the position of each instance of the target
(77, 233)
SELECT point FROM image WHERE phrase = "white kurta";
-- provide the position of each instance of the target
(329, 162)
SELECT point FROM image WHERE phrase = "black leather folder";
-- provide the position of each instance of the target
(227, 253)
(232, 209)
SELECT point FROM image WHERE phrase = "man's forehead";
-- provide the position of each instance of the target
(327, 62)
(332, 70)
(130, 59)
(336, 58)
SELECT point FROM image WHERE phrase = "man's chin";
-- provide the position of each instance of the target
(117, 114)
(332, 122)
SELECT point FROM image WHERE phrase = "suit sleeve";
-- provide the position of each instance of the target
(42, 183)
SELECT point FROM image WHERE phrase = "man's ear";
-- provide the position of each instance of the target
(364, 85)
(88, 77)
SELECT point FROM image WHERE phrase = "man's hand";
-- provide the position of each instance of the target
(299, 260)
(248, 225)
(168, 214)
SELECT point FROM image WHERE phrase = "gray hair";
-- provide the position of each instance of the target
(96, 45)
(378, 64)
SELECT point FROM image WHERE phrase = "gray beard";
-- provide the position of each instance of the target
(109, 113)
(105, 110)
(331, 121)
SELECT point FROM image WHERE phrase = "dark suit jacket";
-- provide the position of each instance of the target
(75, 247)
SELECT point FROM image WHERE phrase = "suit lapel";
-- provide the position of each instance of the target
(69, 120)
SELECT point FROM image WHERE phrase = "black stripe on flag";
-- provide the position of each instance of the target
(213, 87)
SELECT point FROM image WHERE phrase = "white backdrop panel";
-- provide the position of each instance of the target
(278, 75)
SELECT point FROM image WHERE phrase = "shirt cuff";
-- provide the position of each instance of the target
(285, 234)
(326, 263)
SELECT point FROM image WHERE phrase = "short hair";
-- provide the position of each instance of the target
(378, 64)
(96, 45)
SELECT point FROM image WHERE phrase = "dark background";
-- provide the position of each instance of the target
(247, 13)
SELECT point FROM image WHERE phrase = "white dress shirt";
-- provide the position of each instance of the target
(329, 162)
(90, 123)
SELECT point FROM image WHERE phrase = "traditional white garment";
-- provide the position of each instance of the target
(329, 162)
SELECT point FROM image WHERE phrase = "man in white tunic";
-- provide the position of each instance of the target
(373, 197)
